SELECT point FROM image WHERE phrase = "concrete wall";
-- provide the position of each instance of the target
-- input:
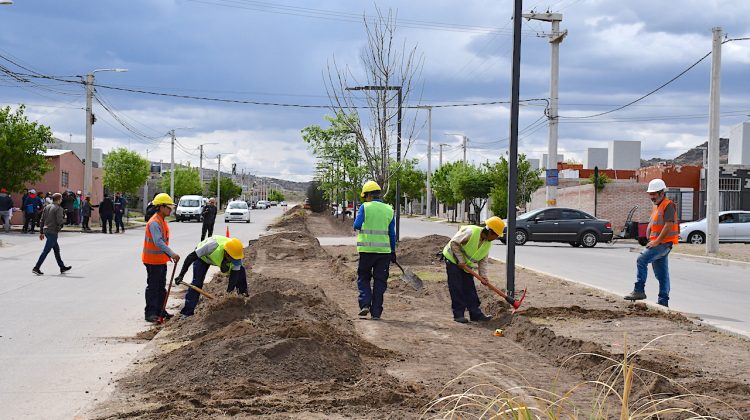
(614, 203)
(624, 155)
(596, 156)
(739, 144)
(675, 176)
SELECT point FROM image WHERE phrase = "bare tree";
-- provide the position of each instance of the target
(384, 64)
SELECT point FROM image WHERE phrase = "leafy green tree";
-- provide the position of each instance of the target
(316, 197)
(528, 182)
(275, 195)
(125, 170)
(186, 182)
(229, 189)
(441, 185)
(412, 181)
(473, 184)
(22, 148)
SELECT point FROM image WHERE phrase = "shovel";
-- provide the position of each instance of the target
(514, 303)
(411, 278)
(198, 289)
(166, 297)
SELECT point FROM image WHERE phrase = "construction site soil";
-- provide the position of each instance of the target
(296, 349)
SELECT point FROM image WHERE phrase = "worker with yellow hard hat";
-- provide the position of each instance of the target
(469, 248)
(376, 244)
(155, 256)
(220, 251)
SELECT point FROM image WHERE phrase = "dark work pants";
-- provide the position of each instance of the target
(70, 216)
(50, 245)
(85, 223)
(155, 288)
(106, 219)
(118, 223)
(372, 266)
(29, 222)
(207, 228)
(463, 292)
(200, 268)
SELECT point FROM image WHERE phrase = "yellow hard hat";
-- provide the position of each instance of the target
(495, 224)
(234, 248)
(370, 186)
(163, 198)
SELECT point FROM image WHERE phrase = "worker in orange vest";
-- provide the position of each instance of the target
(156, 254)
(663, 232)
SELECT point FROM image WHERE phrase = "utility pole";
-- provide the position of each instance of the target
(712, 172)
(510, 261)
(441, 154)
(88, 168)
(218, 184)
(465, 139)
(200, 166)
(171, 171)
(429, 158)
(555, 38)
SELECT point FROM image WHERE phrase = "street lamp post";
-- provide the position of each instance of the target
(398, 89)
(429, 158)
(88, 181)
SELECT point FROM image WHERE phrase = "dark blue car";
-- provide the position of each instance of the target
(557, 224)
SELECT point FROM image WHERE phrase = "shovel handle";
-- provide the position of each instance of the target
(199, 290)
(399, 266)
(488, 284)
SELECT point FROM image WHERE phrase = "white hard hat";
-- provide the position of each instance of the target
(656, 185)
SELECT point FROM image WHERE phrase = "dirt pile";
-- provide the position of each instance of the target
(324, 225)
(292, 220)
(421, 251)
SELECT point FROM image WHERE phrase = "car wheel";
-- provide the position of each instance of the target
(521, 237)
(696, 238)
(589, 239)
(575, 244)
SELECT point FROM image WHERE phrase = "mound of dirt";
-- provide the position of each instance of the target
(288, 245)
(324, 225)
(292, 220)
(421, 251)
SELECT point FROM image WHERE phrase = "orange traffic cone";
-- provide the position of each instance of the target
(227, 231)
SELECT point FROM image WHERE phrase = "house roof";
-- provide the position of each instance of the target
(55, 152)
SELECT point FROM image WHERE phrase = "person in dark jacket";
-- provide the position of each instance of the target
(209, 218)
(119, 212)
(32, 205)
(52, 222)
(68, 202)
(150, 209)
(86, 213)
(6, 208)
(106, 211)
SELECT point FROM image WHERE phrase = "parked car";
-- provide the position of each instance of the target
(274, 203)
(237, 211)
(556, 224)
(734, 226)
(189, 207)
(262, 204)
(283, 204)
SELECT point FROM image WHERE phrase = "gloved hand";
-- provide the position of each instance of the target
(178, 280)
(393, 257)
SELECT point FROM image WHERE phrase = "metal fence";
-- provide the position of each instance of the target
(728, 200)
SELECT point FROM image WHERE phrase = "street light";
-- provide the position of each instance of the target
(429, 157)
(88, 168)
(8, 2)
(398, 149)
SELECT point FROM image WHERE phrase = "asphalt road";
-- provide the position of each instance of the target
(63, 338)
(717, 294)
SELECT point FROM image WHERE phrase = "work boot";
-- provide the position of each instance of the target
(635, 295)
(152, 318)
(375, 318)
(64, 269)
(364, 311)
(167, 315)
(461, 320)
(37, 271)
(481, 317)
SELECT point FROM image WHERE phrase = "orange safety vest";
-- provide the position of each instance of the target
(151, 253)
(657, 224)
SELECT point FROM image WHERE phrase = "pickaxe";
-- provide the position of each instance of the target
(514, 303)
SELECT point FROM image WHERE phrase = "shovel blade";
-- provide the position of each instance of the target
(412, 279)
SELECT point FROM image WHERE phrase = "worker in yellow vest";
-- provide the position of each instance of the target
(220, 251)
(376, 244)
(663, 232)
(155, 256)
(469, 247)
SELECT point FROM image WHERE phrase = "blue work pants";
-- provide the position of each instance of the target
(372, 266)
(156, 283)
(658, 258)
(463, 292)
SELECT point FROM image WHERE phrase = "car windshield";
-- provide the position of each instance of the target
(238, 205)
(189, 203)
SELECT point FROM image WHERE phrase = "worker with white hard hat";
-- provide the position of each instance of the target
(663, 232)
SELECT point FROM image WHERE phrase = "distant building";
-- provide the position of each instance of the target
(624, 155)
(560, 158)
(596, 156)
(739, 144)
(97, 155)
(534, 163)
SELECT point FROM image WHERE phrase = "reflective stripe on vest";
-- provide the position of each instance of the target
(151, 253)
(472, 252)
(217, 255)
(657, 224)
(374, 237)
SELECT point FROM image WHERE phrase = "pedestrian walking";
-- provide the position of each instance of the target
(209, 218)
(86, 208)
(106, 212)
(469, 248)
(155, 256)
(51, 223)
(376, 244)
(32, 207)
(663, 232)
(220, 251)
(77, 209)
(119, 209)
(6, 208)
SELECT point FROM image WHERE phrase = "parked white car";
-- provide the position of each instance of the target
(189, 207)
(734, 226)
(262, 204)
(237, 211)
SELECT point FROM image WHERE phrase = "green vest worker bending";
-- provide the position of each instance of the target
(376, 244)
(469, 247)
(220, 251)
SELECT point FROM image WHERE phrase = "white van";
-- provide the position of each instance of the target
(189, 207)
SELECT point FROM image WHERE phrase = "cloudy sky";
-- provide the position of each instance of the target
(277, 51)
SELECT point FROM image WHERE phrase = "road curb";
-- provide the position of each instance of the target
(704, 259)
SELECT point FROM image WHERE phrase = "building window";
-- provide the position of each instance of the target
(729, 184)
(65, 178)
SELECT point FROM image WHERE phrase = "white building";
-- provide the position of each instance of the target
(624, 155)
(596, 156)
(739, 144)
(560, 158)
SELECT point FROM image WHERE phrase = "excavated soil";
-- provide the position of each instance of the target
(296, 349)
